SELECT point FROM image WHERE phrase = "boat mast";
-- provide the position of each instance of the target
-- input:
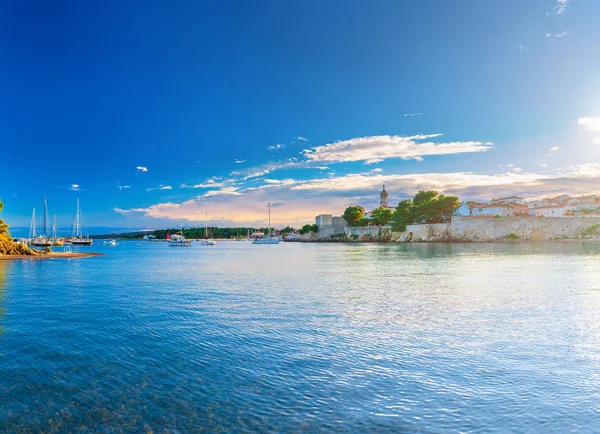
(46, 222)
(32, 226)
(78, 231)
(54, 228)
(269, 233)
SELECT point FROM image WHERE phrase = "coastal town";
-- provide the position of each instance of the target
(504, 218)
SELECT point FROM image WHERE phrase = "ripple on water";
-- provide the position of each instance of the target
(348, 338)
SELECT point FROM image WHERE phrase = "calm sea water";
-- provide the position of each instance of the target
(303, 337)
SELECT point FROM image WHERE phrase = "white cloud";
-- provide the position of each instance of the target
(275, 147)
(548, 35)
(374, 149)
(239, 161)
(591, 123)
(544, 165)
(304, 139)
(141, 169)
(377, 170)
(596, 141)
(160, 187)
(412, 114)
(223, 191)
(562, 35)
(209, 183)
(123, 187)
(74, 187)
(554, 148)
(304, 199)
(561, 6)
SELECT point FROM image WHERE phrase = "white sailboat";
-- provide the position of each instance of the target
(43, 240)
(78, 234)
(267, 239)
(206, 241)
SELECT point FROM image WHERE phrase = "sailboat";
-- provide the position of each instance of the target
(43, 240)
(55, 240)
(267, 239)
(206, 241)
(78, 237)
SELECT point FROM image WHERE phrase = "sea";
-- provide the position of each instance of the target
(352, 338)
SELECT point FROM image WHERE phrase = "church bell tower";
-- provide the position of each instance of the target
(383, 203)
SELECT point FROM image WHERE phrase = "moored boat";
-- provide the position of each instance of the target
(79, 236)
(268, 239)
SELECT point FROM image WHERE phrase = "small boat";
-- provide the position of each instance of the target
(78, 238)
(178, 240)
(267, 239)
(206, 241)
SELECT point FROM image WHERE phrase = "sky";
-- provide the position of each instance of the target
(153, 113)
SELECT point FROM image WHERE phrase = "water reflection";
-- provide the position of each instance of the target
(3, 268)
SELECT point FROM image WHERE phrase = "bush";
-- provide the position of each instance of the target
(497, 216)
(512, 236)
(592, 230)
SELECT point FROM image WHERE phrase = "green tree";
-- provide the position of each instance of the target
(3, 226)
(353, 215)
(426, 207)
(308, 228)
(381, 216)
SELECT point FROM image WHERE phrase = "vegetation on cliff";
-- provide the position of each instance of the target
(7, 245)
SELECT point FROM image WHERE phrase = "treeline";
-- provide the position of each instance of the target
(197, 233)
(426, 207)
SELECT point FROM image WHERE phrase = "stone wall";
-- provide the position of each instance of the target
(465, 229)
(493, 229)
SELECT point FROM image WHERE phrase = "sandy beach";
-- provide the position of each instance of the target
(56, 255)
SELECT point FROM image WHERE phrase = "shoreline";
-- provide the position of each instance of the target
(55, 255)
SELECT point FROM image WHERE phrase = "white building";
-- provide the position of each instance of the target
(492, 209)
(549, 211)
(509, 199)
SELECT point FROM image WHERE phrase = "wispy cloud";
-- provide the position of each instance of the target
(239, 161)
(209, 183)
(74, 187)
(306, 198)
(232, 191)
(374, 149)
(304, 139)
(275, 147)
(141, 169)
(406, 115)
(554, 149)
(123, 187)
(160, 187)
(561, 7)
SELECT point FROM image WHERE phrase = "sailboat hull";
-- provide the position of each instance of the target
(271, 241)
(81, 242)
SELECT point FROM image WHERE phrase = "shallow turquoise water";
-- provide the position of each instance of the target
(303, 337)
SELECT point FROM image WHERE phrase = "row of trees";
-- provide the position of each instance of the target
(193, 233)
(426, 207)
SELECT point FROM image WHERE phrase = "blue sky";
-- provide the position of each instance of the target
(152, 112)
